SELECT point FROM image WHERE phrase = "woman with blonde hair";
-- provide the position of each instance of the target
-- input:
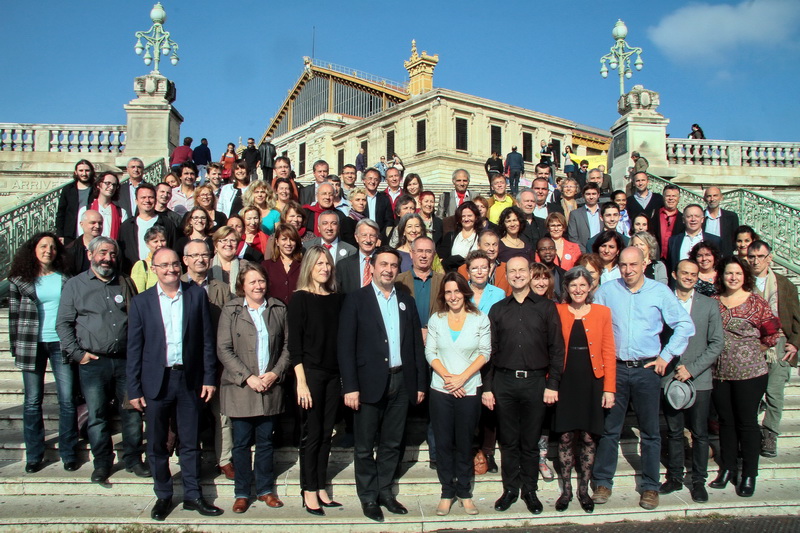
(313, 332)
(261, 195)
(204, 197)
(225, 265)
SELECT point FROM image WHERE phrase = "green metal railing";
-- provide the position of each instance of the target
(775, 222)
(20, 223)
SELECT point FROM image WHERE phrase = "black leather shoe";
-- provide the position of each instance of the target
(505, 501)
(32, 468)
(316, 512)
(562, 503)
(670, 486)
(202, 507)
(587, 503)
(331, 503)
(372, 511)
(747, 487)
(723, 478)
(699, 492)
(71, 466)
(532, 502)
(393, 506)
(161, 509)
(140, 469)
(100, 475)
(491, 464)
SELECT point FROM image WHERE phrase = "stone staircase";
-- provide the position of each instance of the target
(55, 500)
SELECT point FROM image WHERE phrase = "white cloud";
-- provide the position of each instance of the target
(714, 33)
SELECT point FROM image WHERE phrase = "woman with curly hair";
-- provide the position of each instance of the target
(512, 242)
(36, 277)
(260, 195)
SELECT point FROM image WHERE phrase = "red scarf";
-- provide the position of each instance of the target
(259, 243)
(116, 217)
(316, 209)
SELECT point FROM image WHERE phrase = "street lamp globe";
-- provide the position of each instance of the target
(620, 31)
(157, 14)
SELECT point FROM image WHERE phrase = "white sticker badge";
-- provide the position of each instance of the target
(342, 252)
(402, 306)
(118, 298)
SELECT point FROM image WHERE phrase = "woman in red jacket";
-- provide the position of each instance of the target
(587, 385)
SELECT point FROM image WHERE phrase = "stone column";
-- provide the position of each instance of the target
(154, 125)
(640, 129)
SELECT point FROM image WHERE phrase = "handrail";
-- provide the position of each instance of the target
(711, 152)
(776, 223)
(22, 222)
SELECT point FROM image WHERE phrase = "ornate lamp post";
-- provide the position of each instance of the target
(620, 56)
(157, 41)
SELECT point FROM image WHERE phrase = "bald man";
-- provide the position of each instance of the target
(720, 222)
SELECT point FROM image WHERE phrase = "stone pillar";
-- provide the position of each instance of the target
(154, 125)
(640, 129)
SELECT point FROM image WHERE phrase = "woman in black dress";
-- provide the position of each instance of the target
(587, 385)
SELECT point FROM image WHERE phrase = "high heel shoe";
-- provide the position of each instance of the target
(331, 503)
(587, 504)
(444, 506)
(469, 506)
(319, 511)
(562, 503)
(723, 478)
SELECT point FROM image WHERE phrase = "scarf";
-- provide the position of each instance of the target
(116, 217)
(217, 272)
(355, 215)
(770, 294)
(317, 210)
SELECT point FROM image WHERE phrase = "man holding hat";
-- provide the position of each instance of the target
(688, 378)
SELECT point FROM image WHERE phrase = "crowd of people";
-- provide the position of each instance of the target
(518, 317)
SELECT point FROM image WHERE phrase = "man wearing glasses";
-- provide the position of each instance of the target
(172, 366)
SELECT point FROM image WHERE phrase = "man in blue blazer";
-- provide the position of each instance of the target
(383, 369)
(172, 368)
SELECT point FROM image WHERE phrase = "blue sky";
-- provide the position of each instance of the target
(730, 66)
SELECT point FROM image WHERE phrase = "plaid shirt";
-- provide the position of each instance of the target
(23, 322)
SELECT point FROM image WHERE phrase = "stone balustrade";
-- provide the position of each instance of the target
(712, 152)
(78, 138)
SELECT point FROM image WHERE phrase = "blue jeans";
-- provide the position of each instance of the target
(32, 420)
(641, 387)
(244, 431)
(102, 380)
(513, 181)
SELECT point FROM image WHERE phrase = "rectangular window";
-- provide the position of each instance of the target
(461, 134)
(421, 137)
(285, 153)
(340, 161)
(301, 159)
(366, 153)
(527, 147)
(389, 144)
(497, 140)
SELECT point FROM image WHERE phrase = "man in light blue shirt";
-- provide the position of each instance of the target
(639, 309)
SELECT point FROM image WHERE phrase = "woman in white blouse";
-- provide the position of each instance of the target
(458, 345)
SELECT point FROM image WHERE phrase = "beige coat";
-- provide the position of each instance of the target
(236, 350)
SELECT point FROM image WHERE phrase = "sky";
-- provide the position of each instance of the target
(731, 66)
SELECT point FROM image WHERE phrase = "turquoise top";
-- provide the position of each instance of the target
(269, 221)
(48, 295)
(454, 334)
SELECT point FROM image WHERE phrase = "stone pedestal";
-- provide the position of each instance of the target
(640, 129)
(154, 125)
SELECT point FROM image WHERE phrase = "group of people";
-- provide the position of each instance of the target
(519, 319)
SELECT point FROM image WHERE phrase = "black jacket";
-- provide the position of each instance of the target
(67, 212)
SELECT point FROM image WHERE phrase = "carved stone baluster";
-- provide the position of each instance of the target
(771, 160)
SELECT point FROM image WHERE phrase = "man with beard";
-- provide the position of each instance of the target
(92, 324)
(73, 197)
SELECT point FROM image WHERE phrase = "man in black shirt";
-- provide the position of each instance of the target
(527, 346)
(252, 158)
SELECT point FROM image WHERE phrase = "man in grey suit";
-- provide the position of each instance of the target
(329, 231)
(450, 200)
(695, 365)
(353, 272)
(585, 222)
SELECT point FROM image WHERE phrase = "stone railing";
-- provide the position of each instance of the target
(775, 222)
(733, 153)
(62, 138)
(20, 223)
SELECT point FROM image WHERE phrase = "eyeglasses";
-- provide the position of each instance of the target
(198, 256)
(109, 184)
(165, 266)
(229, 241)
(757, 257)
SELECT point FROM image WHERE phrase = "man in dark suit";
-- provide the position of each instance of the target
(643, 200)
(383, 369)
(127, 190)
(668, 220)
(681, 244)
(267, 153)
(309, 193)
(695, 364)
(131, 232)
(585, 222)
(328, 224)
(379, 208)
(77, 259)
(354, 271)
(172, 367)
(720, 222)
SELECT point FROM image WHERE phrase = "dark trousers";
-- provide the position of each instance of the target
(520, 414)
(487, 431)
(246, 430)
(316, 429)
(385, 422)
(737, 407)
(267, 171)
(454, 421)
(102, 380)
(32, 419)
(696, 419)
(513, 181)
(186, 405)
(641, 387)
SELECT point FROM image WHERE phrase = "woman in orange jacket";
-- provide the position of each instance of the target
(588, 383)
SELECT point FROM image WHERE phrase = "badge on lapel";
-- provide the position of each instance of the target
(402, 306)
